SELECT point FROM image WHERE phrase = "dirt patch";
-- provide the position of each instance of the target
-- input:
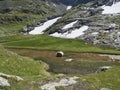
(52, 54)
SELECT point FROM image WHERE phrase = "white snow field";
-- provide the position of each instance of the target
(47, 24)
(68, 7)
(70, 25)
(113, 9)
(71, 34)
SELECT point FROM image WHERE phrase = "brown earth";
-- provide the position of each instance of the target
(52, 54)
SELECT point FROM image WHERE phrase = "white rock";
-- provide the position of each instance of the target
(18, 78)
(103, 68)
(112, 25)
(48, 87)
(69, 59)
(63, 82)
(4, 82)
(11, 76)
(59, 54)
(105, 89)
(68, 81)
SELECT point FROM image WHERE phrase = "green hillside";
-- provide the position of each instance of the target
(26, 68)
(52, 43)
(109, 79)
(15, 14)
(11, 63)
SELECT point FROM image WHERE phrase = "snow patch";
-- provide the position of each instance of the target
(69, 7)
(54, 5)
(71, 34)
(47, 24)
(70, 25)
(95, 33)
(113, 9)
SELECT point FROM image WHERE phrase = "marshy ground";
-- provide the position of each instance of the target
(83, 63)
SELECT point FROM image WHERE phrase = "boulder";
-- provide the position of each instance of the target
(17, 78)
(59, 54)
(4, 82)
(103, 68)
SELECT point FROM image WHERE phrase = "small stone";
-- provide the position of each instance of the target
(103, 68)
(18, 78)
(11, 76)
(69, 59)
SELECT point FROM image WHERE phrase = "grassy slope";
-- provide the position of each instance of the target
(109, 79)
(27, 68)
(13, 26)
(51, 43)
(11, 63)
(21, 14)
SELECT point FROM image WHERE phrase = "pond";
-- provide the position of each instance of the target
(82, 63)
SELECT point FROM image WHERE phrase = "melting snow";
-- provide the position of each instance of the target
(71, 34)
(54, 4)
(70, 25)
(113, 9)
(95, 33)
(47, 24)
(69, 7)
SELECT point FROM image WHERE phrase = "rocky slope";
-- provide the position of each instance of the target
(103, 27)
(90, 18)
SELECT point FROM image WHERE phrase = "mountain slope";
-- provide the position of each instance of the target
(15, 14)
(18, 72)
(88, 13)
(102, 29)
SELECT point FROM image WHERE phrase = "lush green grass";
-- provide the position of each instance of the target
(11, 63)
(108, 79)
(52, 43)
(27, 68)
